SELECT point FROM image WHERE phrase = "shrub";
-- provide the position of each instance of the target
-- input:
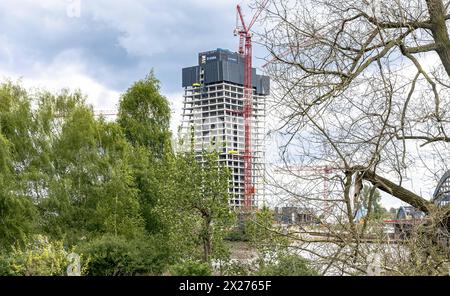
(118, 256)
(237, 235)
(5, 269)
(287, 265)
(39, 257)
(191, 268)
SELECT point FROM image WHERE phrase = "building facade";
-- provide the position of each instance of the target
(213, 118)
(291, 215)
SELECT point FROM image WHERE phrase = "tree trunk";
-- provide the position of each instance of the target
(440, 33)
(398, 191)
(206, 239)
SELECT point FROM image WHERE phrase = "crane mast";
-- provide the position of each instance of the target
(245, 49)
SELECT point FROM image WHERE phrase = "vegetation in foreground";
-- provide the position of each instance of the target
(113, 192)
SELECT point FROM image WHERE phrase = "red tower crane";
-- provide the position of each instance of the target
(245, 49)
(320, 170)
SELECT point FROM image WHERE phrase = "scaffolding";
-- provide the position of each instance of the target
(213, 116)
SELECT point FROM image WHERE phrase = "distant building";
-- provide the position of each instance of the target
(407, 218)
(409, 213)
(441, 196)
(213, 117)
(291, 215)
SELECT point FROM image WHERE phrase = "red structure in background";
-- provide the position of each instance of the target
(323, 171)
(245, 49)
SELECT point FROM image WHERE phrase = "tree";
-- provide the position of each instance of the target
(17, 211)
(361, 87)
(144, 116)
(90, 188)
(115, 191)
(371, 202)
(196, 204)
(63, 172)
(345, 65)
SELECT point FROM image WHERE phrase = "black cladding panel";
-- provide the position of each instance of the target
(191, 75)
(223, 65)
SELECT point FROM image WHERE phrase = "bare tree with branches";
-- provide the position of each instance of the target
(362, 87)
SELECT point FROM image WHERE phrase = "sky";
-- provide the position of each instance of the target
(102, 46)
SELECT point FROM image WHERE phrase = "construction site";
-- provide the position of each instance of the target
(207, 138)
(224, 109)
(213, 109)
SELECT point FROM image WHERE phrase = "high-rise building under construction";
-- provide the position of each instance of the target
(213, 116)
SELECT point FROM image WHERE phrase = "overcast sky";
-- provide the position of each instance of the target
(103, 46)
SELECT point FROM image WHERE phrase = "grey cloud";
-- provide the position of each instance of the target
(118, 42)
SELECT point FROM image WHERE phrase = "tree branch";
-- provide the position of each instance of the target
(395, 190)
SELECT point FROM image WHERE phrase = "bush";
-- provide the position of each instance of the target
(5, 269)
(237, 268)
(287, 265)
(118, 256)
(39, 257)
(237, 235)
(191, 268)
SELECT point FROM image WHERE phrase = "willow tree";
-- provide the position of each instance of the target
(144, 116)
(17, 211)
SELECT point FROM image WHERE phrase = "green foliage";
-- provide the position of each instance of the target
(39, 257)
(147, 176)
(74, 177)
(90, 189)
(238, 268)
(119, 256)
(237, 235)
(378, 212)
(278, 263)
(60, 162)
(286, 265)
(115, 190)
(17, 217)
(196, 204)
(191, 268)
(17, 211)
(5, 269)
(263, 235)
(144, 115)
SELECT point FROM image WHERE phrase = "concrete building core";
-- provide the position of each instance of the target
(212, 115)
